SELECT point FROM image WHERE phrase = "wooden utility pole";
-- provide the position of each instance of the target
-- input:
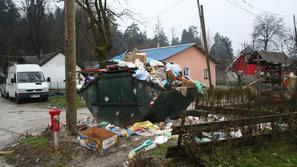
(295, 30)
(70, 65)
(202, 23)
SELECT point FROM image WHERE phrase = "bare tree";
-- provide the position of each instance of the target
(291, 45)
(267, 28)
(35, 17)
(101, 18)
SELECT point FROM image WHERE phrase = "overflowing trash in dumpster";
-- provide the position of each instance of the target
(138, 89)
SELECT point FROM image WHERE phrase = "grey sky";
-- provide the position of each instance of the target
(221, 15)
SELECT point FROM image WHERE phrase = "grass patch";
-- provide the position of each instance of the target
(60, 164)
(160, 151)
(60, 102)
(272, 154)
(35, 141)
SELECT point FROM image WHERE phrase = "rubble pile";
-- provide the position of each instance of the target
(156, 133)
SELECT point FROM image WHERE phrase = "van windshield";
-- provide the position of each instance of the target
(2, 79)
(27, 77)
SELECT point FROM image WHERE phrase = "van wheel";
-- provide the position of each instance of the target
(17, 99)
(10, 98)
(45, 99)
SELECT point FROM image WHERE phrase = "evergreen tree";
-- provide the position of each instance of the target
(134, 38)
(190, 36)
(175, 41)
(9, 19)
(222, 47)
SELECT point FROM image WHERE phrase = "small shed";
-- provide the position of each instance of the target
(268, 58)
(53, 66)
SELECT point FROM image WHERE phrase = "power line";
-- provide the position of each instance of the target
(165, 10)
(240, 7)
(145, 23)
(259, 9)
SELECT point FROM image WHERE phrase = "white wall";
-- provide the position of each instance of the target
(55, 69)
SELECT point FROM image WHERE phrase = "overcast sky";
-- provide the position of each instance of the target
(223, 16)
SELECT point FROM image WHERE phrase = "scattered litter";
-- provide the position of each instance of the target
(197, 139)
(103, 124)
(143, 126)
(141, 74)
(204, 140)
(6, 152)
(160, 140)
(151, 147)
(200, 87)
(146, 143)
(236, 134)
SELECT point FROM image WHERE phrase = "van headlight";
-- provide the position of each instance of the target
(45, 89)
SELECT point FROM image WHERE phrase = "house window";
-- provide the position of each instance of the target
(186, 71)
(205, 73)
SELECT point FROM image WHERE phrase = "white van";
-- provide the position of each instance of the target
(26, 81)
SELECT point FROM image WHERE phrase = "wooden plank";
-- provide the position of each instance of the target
(227, 110)
(215, 126)
(6, 152)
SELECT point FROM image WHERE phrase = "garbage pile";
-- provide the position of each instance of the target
(190, 120)
(204, 137)
(100, 137)
(163, 74)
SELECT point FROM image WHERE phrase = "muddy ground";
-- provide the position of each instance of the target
(18, 119)
(39, 151)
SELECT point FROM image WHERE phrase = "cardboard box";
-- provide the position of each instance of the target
(130, 57)
(103, 138)
(186, 82)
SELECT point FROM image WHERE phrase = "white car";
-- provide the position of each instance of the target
(26, 81)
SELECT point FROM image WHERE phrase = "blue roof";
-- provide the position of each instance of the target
(161, 53)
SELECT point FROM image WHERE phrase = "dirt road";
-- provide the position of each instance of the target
(16, 119)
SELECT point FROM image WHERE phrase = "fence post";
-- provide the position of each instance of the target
(180, 136)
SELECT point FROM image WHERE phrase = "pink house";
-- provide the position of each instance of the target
(190, 57)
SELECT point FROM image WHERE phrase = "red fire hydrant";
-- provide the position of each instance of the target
(55, 125)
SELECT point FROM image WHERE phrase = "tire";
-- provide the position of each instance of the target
(45, 99)
(9, 98)
(2, 95)
(17, 99)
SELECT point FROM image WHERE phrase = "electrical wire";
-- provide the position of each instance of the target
(165, 10)
(259, 9)
(240, 7)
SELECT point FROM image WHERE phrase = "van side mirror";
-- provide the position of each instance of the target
(48, 79)
(12, 80)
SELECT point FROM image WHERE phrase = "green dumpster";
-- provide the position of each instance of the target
(118, 98)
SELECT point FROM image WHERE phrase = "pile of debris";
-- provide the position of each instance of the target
(100, 137)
